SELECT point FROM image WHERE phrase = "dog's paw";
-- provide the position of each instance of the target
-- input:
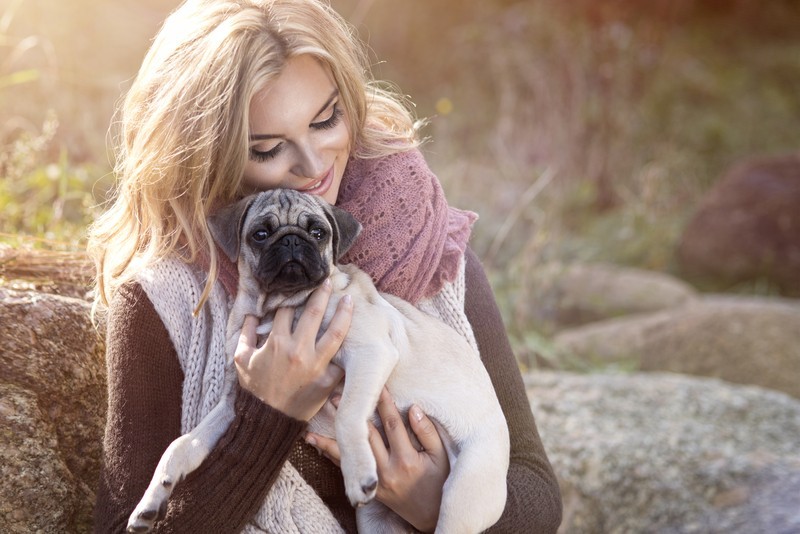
(362, 490)
(151, 508)
(360, 474)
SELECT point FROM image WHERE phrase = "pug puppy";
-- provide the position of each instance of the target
(286, 244)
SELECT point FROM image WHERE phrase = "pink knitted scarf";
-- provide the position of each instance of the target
(412, 241)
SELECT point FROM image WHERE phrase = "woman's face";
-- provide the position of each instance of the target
(299, 133)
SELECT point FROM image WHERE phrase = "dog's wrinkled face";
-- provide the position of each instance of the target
(287, 240)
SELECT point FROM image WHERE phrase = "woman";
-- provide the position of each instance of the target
(237, 96)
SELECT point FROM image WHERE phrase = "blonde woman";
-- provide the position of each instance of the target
(237, 96)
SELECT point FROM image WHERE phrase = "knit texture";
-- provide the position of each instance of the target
(173, 287)
(412, 246)
(145, 382)
(412, 242)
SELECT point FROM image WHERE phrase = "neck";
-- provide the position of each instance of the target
(339, 279)
(269, 304)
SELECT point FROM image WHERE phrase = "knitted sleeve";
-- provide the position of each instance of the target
(144, 416)
(534, 499)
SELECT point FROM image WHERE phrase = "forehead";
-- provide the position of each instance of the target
(293, 98)
(286, 207)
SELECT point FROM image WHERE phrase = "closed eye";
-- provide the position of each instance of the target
(260, 155)
(330, 122)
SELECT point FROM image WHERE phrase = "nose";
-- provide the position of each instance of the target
(291, 241)
(309, 162)
(294, 247)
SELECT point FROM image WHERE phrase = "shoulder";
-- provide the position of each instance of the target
(130, 307)
(175, 289)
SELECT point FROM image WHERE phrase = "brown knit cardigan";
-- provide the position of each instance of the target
(144, 416)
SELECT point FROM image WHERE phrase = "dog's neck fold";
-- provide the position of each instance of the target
(263, 305)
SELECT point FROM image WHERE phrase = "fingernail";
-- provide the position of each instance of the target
(416, 413)
(327, 283)
(311, 440)
(348, 300)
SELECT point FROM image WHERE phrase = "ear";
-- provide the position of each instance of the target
(226, 226)
(345, 230)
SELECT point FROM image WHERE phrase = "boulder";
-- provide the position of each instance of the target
(747, 227)
(566, 296)
(746, 340)
(52, 412)
(660, 452)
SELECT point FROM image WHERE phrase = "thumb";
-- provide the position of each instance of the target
(426, 432)
(247, 341)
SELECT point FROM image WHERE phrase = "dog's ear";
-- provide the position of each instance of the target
(345, 230)
(226, 226)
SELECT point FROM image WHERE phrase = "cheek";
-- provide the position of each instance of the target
(340, 136)
(336, 140)
(260, 176)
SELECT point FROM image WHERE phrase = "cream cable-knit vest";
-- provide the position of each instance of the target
(174, 288)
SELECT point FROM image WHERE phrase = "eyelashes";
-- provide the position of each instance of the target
(258, 155)
(327, 124)
(330, 122)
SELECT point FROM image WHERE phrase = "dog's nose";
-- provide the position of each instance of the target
(291, 241)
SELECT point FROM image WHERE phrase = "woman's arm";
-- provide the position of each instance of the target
(144, 415)
(534, 499)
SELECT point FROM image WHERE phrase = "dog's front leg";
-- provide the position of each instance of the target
(183, 456)
(365, 375)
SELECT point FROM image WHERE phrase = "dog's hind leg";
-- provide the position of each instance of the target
(376, 518)
(474, 494)
(183, 456)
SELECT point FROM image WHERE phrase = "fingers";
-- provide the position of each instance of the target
(390, 416)
(325, 446)
(394, 426)
(311, 318)
(332, 339)
(247, 341)
(282, 322)
(379, 448)
(426, 432)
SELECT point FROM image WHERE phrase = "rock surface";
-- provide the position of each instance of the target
(658, 452)
(52, 412)
(572, 295)
(748, 226)
(745, 340)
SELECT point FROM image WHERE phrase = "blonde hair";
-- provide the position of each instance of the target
(183, 143)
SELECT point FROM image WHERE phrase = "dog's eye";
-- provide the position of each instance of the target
(317, 233)
(259, 236)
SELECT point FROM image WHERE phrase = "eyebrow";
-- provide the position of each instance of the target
(262, 137)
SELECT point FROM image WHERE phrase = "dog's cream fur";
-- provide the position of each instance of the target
(420, 360)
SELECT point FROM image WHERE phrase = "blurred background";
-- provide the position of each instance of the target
(580, 131)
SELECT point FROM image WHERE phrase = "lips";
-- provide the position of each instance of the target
(321, 186)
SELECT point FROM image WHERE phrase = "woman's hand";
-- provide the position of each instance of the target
(292, 371)
(410, 481)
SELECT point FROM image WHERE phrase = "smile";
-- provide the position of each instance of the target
(321, 186)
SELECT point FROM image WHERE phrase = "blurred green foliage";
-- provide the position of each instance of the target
(633, 107)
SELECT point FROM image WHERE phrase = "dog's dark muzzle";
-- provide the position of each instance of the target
(292, 263)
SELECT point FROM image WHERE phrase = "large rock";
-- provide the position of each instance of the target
(669, 453)
(748, 226)
(52, 412)
(746, 340)
(566, 296)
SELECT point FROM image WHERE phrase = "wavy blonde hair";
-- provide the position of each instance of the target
(183, 140)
